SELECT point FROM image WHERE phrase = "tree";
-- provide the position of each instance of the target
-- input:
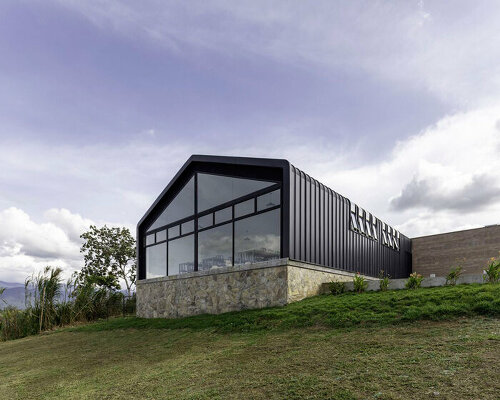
(109, 255)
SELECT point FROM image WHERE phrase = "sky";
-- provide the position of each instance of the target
(395, 105)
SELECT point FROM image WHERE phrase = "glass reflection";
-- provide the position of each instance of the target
(161, 236)
(181, 255)
(244, 208)
(180, 207)
(223, 215)
(268, 200)
(214, 190)
(215, 247)
(257, 238)
(150, 239)
(173, 231)
(187, 227)
(205, 221)
(156, 261)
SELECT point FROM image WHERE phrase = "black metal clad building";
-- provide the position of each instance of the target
(325, 229)
(317, 224)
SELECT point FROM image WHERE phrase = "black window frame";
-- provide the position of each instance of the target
(277, 185)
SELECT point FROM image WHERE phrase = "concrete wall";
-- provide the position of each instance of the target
(305, 280)
(436, 254)
(273, 283)
(397, 284)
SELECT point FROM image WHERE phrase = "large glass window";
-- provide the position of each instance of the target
(269, 200)
(257, 238)
(226, 214)
(156, 260)
(181, 255)
(187, 227)
(161, 236)
(181, 206)
(215, 247)
(150, 239)
(205, 221)
(244, 208)
(215, 189)
(242, 232)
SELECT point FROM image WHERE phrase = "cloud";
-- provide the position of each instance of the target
(72, 224)
(441, 179)
(450, 51)
(429, 193)
(448, 172)
(27, 246)
(44, 240)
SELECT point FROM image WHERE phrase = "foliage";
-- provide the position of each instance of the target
(414, 281)
(1, 293)
(453, 275)
(45, 309)
(345, 310)
(360, 283)
(384, 280)
(492, 273)
(109, 255)
(457, 358)
(337, 288)
(42, 292)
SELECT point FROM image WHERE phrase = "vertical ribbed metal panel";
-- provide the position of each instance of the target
(320, 233)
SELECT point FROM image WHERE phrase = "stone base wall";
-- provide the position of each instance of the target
(472, 248)
(305, 280)
(398, 284)
(259, 285)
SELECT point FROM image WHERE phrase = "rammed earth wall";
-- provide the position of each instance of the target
(273, 283)
(472, 248)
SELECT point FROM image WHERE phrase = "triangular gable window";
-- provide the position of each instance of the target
(214, 190)
(181, 206)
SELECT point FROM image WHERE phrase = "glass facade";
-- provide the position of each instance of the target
(181, 255)
(244, 208)
(156, 260)
(239, 223)
(257, 238)
(215, 247)
(215, 189)
(268, 200)
(181, 206)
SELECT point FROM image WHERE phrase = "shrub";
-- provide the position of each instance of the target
(492, 273)
(414, 281)
(46, 308)
(453, 275)
(16, 324)
(360, 283)
(384, 280)
(337, 288)
(42, 292)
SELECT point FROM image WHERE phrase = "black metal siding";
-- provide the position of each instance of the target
(315, 225)
(320, 233)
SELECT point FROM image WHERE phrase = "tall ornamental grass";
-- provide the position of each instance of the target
(48, 307)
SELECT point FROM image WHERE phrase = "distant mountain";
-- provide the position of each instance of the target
(8, 285)
(14, 296)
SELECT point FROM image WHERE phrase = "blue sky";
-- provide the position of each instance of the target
(394, 104)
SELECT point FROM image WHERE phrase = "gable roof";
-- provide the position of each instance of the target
(221, 160)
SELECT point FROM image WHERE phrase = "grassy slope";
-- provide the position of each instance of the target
(349, 309)
(275, 353)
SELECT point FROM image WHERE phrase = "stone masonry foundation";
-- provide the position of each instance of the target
(259, 285)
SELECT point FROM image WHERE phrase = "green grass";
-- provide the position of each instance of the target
(346, 310)
(302, 351)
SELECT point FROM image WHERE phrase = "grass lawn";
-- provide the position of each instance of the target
(302, 351)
